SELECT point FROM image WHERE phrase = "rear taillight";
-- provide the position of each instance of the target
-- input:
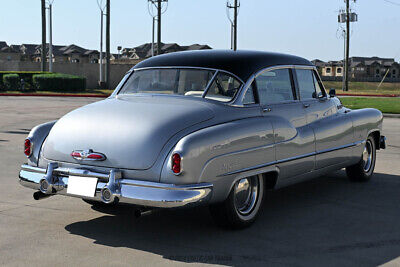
(176, 163)
(28, 147)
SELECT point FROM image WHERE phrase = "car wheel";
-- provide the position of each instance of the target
(241, 207)
(363, 170)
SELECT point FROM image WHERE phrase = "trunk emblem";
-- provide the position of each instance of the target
(87, 154)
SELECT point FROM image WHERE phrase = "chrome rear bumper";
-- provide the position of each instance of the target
(111, 187)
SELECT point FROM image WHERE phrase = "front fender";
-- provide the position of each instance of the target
(37, 135)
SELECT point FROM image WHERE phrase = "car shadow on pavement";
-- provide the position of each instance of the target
(327, 221)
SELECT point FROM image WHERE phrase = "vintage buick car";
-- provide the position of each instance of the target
(203, 127)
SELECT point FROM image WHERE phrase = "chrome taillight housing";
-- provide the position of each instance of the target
(28, 147)
(176, 162)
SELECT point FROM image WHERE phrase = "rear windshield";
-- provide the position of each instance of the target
(187, 82)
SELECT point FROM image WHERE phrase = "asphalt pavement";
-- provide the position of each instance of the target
(328, 221)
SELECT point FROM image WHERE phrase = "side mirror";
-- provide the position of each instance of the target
(332, 92)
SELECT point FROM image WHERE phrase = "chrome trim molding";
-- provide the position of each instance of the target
(292, 158)
(112, 188)
(247, 85)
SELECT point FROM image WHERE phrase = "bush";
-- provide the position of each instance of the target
(25, 75)
(59, 82)
(11, 82)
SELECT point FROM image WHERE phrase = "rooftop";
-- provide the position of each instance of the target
(241, 63)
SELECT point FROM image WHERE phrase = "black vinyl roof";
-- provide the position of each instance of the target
(242, 63)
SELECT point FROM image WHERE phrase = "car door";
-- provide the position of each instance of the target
(333, 130)
(294, 139)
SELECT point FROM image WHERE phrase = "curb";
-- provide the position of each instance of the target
(390, 115)
(370, 95)
(56, 95)
(104, 96)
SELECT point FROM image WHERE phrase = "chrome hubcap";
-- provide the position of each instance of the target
(367, 156)
(246, 192)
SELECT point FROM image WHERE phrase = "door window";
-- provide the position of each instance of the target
(309, 86)
(274, 86)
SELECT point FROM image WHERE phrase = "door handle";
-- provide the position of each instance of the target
(267, 109)
(306, 105)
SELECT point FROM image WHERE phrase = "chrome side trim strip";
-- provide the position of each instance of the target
(293, 158)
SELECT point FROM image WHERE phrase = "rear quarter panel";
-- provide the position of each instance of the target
(210, 154)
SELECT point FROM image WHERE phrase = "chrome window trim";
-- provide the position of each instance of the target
(255, 75)
(247, 85)
(209, 84)
(315, 72)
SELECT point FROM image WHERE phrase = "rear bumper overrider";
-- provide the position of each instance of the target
(111, 187)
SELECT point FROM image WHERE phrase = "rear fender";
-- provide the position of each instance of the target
(221, 154)
(37, 136)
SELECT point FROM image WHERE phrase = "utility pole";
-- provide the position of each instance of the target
(156, 9)
(347, 16)
(344, 59)
(101, 63)
(235, 6)
(152, 37)
(346, 85)
(50, 36)
(159, 27)
(235, 24)
(43, 52)
(108, 45)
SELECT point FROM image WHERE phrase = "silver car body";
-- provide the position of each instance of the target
(219, 143)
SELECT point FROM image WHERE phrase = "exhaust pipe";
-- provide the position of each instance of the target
(39, 195)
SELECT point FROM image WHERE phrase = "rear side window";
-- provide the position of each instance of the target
(308, 84)
(274, 86)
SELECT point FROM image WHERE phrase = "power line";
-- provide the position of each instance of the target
(392, 2)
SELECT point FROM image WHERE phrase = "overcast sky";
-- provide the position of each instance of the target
(306, 28)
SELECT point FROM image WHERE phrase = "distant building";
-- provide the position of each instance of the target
(8, 53)
(61, 53)
(76, 54)
(144, 51)
(361, 68)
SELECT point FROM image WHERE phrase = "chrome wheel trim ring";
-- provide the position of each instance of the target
(246, 192)
(367, 156)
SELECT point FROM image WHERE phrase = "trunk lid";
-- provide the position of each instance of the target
(129, 130)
